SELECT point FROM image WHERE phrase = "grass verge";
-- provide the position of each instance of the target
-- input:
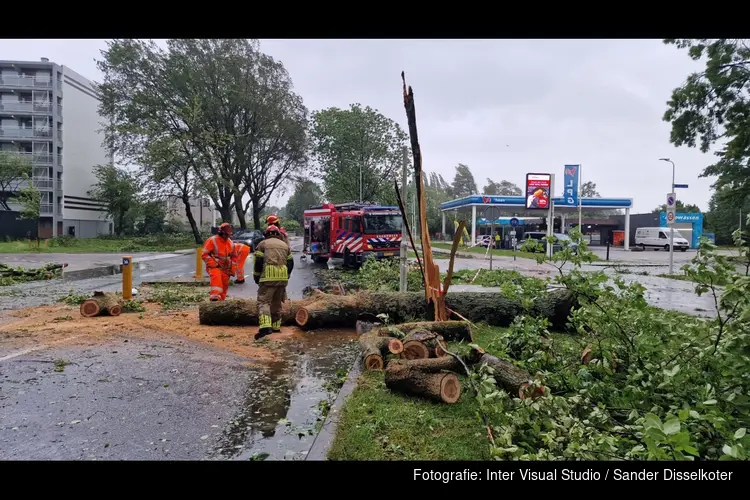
(496, 252)
(67, 244)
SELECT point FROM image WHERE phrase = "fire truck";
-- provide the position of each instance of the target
(352, 232)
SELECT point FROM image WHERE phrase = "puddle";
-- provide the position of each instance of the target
(285, 404)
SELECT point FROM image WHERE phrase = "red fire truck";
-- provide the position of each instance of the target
(352, 232)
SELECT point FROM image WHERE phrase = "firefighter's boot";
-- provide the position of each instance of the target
(239, 282)
(266, 326)
(262, 333)
(276, 326)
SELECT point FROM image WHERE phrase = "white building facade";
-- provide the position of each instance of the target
(49, 114)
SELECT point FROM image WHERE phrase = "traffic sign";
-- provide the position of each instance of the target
(514, 222)
(681, 186)
(125, 262)
(671, 200)
(670, 217)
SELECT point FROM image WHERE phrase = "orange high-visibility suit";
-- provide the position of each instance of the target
(217, 254)
(241, 253)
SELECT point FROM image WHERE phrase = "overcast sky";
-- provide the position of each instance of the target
(502, 107)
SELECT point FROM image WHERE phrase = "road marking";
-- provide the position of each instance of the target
(37, 348)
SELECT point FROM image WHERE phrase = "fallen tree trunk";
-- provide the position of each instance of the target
(375, 349)
(451, 331)
(244, 312)
(512, 378)
(494, 309)
(101, 304)
(433, 365)
(440, 386)
(423, 344)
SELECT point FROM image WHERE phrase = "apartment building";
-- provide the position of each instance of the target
(49, 114)
(201, 209)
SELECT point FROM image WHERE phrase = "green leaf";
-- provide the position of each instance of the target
(709, 402)
(727, 450)
(683, 414)
(671, 426)
(740, 433)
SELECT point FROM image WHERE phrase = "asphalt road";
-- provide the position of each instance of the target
(164, 398)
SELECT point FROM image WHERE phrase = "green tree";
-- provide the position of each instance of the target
(588, 190)
(14, 169)
(502, 188)
(437, 191)
(679, 207)
(358, 153)
(118, 190)
(153, 215)
(30, 199)
(230, 108)
(714, 105)
(306, 194)
(463, 182)
(724, 213)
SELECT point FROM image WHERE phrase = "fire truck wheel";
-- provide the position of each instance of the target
(350, 259)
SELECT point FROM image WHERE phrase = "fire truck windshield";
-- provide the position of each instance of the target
(382, 223)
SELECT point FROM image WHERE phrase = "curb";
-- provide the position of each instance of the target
(323, 441)
(114, 269)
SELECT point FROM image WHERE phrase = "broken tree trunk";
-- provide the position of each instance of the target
(421, 344)
(244, 312)
(101, 304)
(433, 365)
(452, 331)
(512, 378)
(440, 386)
(494, 309)
(375, 350)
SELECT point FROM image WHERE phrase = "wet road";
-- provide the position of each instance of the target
(167, 397)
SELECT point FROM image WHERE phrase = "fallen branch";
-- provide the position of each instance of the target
(101, 304)
(375, 350)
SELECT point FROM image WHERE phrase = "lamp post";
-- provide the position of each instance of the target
(671, 226)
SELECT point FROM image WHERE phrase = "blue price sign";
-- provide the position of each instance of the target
(125, 262)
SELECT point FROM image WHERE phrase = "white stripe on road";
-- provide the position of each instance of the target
(37, 348)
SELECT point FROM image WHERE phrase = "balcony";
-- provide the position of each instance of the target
(25, 107)
(59, 209)
(24, 133)
(46, 209)
(59, 111)
(35, 158)
(26, 82)
(59, 135)
(59, 187)
(42, 182)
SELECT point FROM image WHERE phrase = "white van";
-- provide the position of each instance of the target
(658, 237)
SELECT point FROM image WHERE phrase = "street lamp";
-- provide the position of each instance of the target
(671, 226)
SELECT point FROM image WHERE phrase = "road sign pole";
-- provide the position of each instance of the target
(671, 206)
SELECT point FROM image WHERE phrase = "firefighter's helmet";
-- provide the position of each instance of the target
(272, 219)
(272, 229)
(226, 228)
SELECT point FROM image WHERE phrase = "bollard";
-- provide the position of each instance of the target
(127, 277)
(199, 263)
(607, 249)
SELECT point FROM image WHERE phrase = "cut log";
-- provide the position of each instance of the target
(451, 331)
(244, 312)
(512, 378)
(494, 309)
(440, 386)
(421, 344)
(375, 350)
(101, 304)
(432, 365)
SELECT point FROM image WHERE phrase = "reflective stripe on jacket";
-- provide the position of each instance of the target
(273, 261)
(217, 252)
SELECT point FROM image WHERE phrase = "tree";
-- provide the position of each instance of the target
(714, 105)
(229, 107)
(153, 216)
(463, 182)
(306, 194)
(502, 188)
(117, 189)
(588, 190)
(358, 153)
(30, 199)
(679, 207)
(723, 216)
(437, 192)
(14, 169)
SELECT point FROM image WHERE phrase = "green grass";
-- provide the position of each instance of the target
(495, 252)
(378, 424)
(66, 244)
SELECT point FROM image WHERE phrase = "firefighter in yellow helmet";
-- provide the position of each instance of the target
(271, 270)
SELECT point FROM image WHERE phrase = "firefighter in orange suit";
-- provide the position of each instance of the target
(240, 254)
(220, 264)
(273, 220)
(271, 270)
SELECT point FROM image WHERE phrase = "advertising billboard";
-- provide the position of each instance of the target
(572, 178)
(538, 191)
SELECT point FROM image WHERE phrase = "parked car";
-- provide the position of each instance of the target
(658, 238)
(483, 241)
(250, 237)
(560, 242)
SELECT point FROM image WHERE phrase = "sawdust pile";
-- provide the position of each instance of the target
(62, 324)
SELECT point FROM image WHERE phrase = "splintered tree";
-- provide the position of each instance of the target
(230, 108)
(14, 169)
(358, 153)
(714, 105)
